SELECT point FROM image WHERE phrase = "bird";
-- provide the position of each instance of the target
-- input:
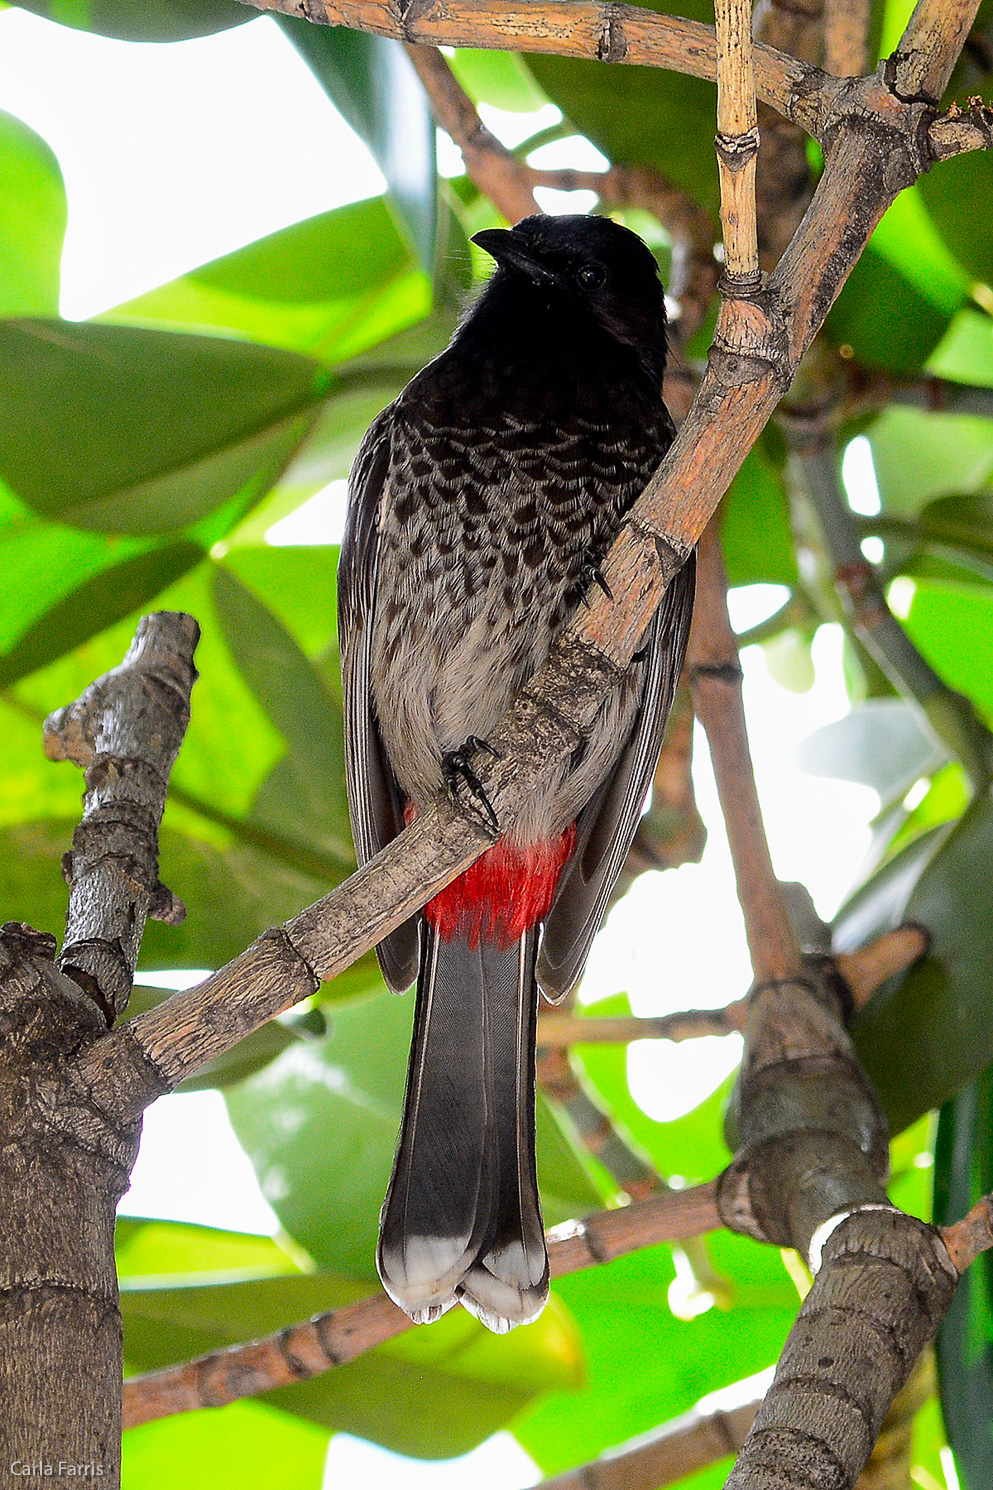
(482, 502)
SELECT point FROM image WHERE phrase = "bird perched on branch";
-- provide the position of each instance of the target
(482, 502)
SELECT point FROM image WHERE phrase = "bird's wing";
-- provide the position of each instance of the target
(374, 799)
(607, 824)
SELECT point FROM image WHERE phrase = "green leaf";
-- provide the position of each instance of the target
(498, 78)
(373, 85)
(330, 287)
(887, 320)
(923, 1035)
(963, 1173)
(433, 1392)
(32, 222)
(139, 431)
(94, 605)
(952, 624)
(305, 796)
(644, 1366)
(907, 239)
(918, 456)
(755, 528)
(951, 193)
(163, 1251)
(158, 20)
(245, 1446)
(641, 115)
(883, 744)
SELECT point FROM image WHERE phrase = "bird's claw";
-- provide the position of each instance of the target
(592, 574)
(455, 766)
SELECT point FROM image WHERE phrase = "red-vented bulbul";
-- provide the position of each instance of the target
(482, 501)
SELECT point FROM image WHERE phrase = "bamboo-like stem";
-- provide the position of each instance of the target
(314, 1346)
(846, 36)
(600, 30)
(737, 144)
(715, 677)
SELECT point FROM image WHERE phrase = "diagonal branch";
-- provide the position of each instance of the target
(316, 1345)
(496, 171)
(599, 30)
(715, 676)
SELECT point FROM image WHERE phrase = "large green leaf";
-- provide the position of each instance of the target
(645, 1366)
(642, 115)
(373, 84)
(884, 743)
(95, 604)
(433, 1392)
(32, 222)
(963, 1173)
(246, 1446)
(919, 456)
(923, 1035)
(755, 525)
(158, 20)
(952, 624)
(305, 797)
(886, 319)
(331, 287)
(952, 191)
(140, 431)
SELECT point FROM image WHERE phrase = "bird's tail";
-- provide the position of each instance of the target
(462, 1219)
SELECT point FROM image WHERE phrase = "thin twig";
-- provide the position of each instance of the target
(498, 174)
(967, 1238)
(668, 1454)
(737, 144)
(952, 716)
(558, 1030)
(715, 677)
(317, 1345)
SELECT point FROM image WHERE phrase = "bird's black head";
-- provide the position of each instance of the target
(593, 265)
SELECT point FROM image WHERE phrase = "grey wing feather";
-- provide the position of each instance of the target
(607, 824)
(374, 798)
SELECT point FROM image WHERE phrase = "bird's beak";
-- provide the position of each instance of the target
(508, 250)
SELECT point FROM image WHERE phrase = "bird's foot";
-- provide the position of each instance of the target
(456, 767)
(591, 574)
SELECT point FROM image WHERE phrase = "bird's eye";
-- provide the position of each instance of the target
(590, 276)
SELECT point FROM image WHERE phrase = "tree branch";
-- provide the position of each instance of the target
(677, 1449)
(317, 1345)
(125, 731)
(498, 173)
(715, 678)
(596, 29)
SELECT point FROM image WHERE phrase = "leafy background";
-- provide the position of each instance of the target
(143, 455)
